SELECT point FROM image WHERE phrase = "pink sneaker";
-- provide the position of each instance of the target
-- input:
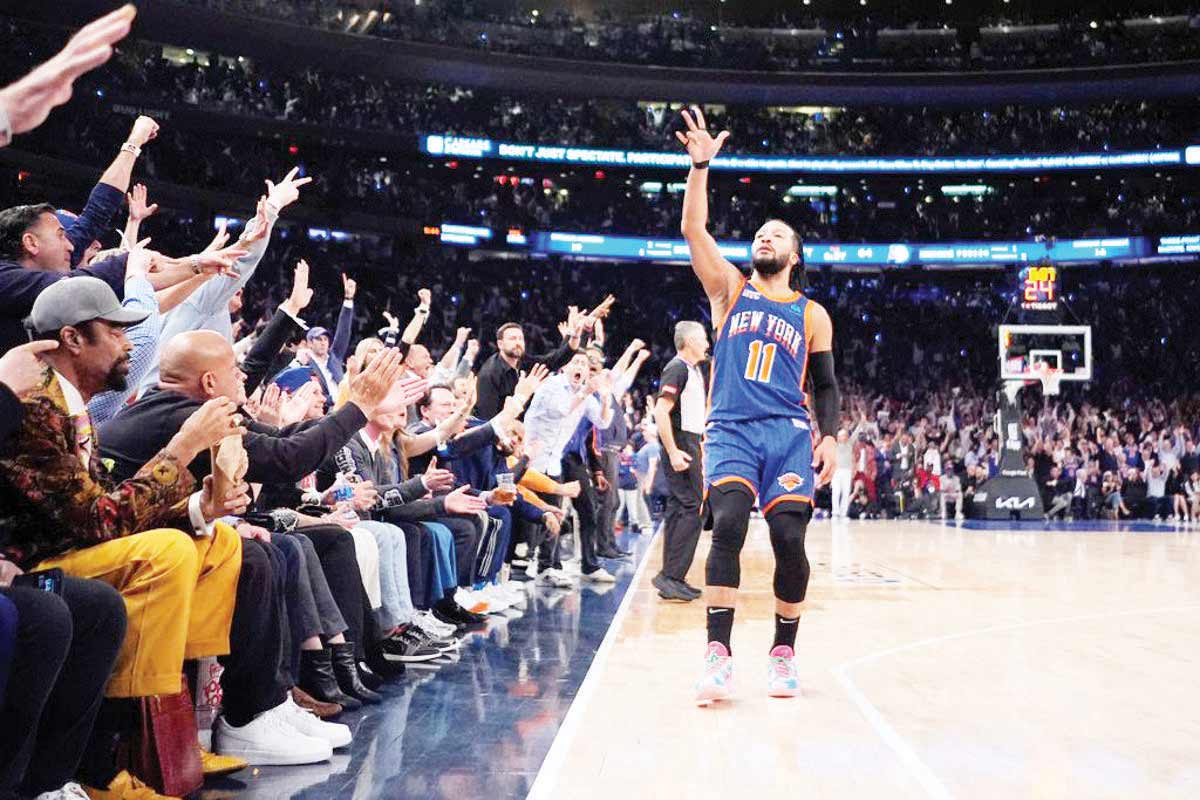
(717, 683)
(782, 678)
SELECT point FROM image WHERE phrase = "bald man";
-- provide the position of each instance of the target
(198, 365)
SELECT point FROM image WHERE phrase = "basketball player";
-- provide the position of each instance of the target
(758, 442)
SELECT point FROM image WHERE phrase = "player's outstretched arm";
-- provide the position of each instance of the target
(826, 399)
(719, 278)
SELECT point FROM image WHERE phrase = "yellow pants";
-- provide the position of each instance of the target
(179, 594)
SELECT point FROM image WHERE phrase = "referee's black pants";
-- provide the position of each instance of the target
(682, 523)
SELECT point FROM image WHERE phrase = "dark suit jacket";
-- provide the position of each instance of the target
(277, 455)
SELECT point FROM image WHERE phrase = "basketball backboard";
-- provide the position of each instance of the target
(1063, 347)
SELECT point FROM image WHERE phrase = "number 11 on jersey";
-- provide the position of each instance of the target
(760, 362)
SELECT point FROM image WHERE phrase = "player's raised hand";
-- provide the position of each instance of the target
(825, 458)
(700, 144)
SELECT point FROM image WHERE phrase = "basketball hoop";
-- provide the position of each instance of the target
(1049, 376)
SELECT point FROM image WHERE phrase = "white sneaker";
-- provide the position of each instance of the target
(495, 600)
(310, 725)
(269, 740)
(471, 601)
(572, 568)
(69, 791)
(430, 624)
(601, 575)
(555, 578)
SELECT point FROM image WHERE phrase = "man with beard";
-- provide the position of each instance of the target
(186, 580)
(767, 338)
(499, 374)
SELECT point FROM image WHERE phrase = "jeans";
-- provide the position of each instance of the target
(65, 651)
(466, 538)
(335, 550)
(325, 618)
(397, 606)
(445, 568)
(633, 509)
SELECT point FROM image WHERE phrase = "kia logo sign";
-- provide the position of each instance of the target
(1014, 503)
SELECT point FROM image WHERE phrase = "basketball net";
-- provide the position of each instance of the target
(1049, 376)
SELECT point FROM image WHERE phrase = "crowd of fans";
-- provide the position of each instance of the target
(325, 475)
(795, 40)
(355, 513)
(389, 185)
(243, 87)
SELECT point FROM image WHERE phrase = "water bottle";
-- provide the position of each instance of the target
(343, 500)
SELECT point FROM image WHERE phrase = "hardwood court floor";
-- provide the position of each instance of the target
(935, 662)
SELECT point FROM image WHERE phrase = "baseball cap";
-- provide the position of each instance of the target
(315, 332)
(293, 378)
(72, 301)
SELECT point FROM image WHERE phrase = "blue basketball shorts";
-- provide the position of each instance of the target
(772, 457)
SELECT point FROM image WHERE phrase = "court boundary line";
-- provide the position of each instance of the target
(918, 769)
(548, 775)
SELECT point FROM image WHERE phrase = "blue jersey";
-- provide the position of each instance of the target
(760, 358)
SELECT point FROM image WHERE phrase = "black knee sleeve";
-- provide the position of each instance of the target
(730, 508)
(791, 562)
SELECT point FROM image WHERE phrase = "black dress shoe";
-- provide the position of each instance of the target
(686, 588)
(345, 667)
(669, 590)
(614, 553)
(319, 680)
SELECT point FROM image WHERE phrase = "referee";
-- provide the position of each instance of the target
(679, 417)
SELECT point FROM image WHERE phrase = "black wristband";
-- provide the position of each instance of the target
(699, 165)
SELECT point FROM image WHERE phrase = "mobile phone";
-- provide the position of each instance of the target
(50, 580)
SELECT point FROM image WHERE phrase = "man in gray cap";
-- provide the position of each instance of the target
(191, 586)
(87, 319)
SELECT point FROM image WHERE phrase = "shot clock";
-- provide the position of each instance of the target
(1039, 287)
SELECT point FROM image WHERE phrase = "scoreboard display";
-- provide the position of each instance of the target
(1039, 287)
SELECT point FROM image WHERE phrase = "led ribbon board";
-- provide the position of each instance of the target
(897, 254)
(468, 147)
